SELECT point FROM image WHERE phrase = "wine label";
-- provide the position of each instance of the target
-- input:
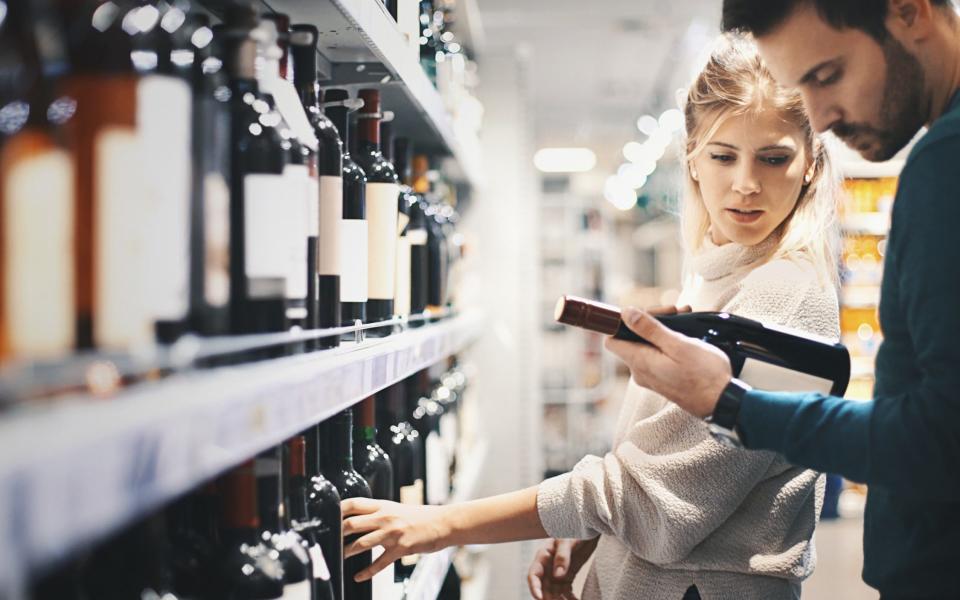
(383, 584)
(401, 300)
(38, 213)
(216, 237)
(353, 279)
(163, 123)
(320, 569)
(331, 226)
(438, 470)
(123, 312)
(774, 378)
(417, 237)
(296, 203)
(298, 591)
(265, 229)
(382, 219)
(313, 206)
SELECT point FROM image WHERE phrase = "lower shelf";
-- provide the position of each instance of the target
(74, 472)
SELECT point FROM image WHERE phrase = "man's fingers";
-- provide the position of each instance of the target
(535, 583)
(378, 565)
(650, 329)
(359, 506)
(561, 558)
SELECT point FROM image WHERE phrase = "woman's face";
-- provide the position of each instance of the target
(750, 174)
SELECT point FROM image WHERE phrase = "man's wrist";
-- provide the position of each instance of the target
(725, 418)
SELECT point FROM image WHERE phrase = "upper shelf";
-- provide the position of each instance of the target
(365, 46)
(74, 471)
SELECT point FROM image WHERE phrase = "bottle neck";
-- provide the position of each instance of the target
(269, 492)
(308, 94)
(366, 427)
(339, 440)
(341, 120)
(238, 496)
(297, 457)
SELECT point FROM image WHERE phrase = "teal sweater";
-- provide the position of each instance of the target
(905, 443)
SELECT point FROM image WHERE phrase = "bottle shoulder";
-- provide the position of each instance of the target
(352, 171)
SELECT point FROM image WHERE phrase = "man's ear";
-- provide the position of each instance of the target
(910, 21)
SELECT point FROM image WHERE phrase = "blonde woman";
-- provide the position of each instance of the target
(669, 512)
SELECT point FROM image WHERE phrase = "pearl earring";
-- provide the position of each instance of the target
(693, 174)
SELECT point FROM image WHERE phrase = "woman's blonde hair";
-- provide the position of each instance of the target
(736, 82)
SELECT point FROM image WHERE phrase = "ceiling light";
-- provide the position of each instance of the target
(619, 193)
(565, 160)
(647, 124)
(671, 120)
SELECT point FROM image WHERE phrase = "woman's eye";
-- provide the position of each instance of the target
(832, 78)
(775, 161)
(723, 158)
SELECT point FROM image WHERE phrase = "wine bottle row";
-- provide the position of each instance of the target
(271, 526)
(162, 175)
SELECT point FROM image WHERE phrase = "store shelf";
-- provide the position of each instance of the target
(867, 223)
(366, 47)
(74, 471)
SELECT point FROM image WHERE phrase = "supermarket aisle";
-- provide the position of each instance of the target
(839, 561)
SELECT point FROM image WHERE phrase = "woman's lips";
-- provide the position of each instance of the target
(744, 215)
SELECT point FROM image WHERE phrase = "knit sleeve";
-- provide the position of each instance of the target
(668, 485)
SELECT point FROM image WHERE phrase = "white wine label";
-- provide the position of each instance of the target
(417, 237)
(297, 214)
(401, 300)
(123, 311)
(353, 279)
(216, 237)
(438, 470)
(402, 221)
(163, 123)
(331, 226)
(382, 218)
(38, 255)
(265, 226)
(313, 206)
(298, 591)
(383, 584)
(774, 378)
(320, 569)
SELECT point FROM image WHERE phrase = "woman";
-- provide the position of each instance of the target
(671, 513)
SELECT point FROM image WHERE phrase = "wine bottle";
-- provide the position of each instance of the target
(330, 170)
(110, 269)
(164, 101)
(765, 356)
(195, 539)
(425, 414)
(354, 232)
(309, 523)
(404, 446)
(418, 236)
(293, 206)
(437, 256)
(337, 466)
(210, 192)
(400, 154)
(258, 255)
(293, 556)
(244, 567)
(382, 190)
(323, 507)
(37, 303)
(369, 458)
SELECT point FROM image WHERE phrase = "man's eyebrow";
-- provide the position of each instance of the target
(813, 72)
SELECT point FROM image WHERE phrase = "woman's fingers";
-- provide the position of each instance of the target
(562, 551)
(359, 506)
(362, 524)
(385, 560)
(537, 572)
(365, 543)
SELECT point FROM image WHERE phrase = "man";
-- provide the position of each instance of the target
(873, 72)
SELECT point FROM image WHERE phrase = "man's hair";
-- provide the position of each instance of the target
(759, 17)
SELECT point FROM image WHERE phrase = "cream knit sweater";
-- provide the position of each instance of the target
(675, 508)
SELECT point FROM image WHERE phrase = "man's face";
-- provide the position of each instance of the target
(870, 94)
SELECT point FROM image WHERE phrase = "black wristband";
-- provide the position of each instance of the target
(728, 405)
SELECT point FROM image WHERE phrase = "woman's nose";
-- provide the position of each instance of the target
(745, 181)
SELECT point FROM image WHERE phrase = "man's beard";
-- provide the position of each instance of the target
(903, 110)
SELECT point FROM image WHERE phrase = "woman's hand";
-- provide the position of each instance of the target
(556, 565)
(401, 529)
